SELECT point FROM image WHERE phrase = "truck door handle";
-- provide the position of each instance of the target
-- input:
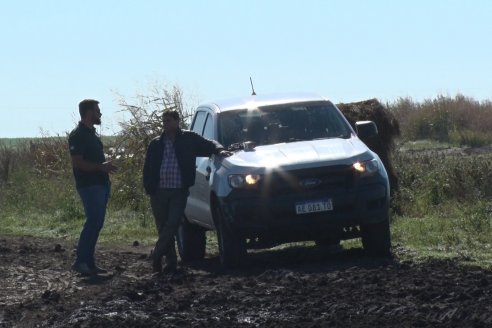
(209, 170)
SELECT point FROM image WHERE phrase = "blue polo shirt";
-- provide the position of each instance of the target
(84, 141)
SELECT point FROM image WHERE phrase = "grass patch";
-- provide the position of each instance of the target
(426, 144)
(460, 233)
(125, 226)
(38, 224)
(463, 233)
(212, 246)
(121, 226)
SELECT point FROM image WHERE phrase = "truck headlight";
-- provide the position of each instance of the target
(367, 168)
(243, 180)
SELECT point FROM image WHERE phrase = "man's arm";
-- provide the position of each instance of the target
(207, 148)
(81, 164)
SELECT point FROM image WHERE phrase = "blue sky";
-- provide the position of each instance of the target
(56, 53)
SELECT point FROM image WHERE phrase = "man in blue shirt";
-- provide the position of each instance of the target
(91, 172)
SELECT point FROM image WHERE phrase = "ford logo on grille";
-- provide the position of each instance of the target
(310, 183)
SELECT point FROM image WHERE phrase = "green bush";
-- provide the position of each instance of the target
(431, 179)
(471, 138)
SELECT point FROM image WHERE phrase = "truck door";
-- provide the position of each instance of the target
(198, 207)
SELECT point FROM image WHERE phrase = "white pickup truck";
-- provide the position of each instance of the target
(299, 172)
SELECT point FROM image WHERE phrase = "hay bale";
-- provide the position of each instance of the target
(388, 128)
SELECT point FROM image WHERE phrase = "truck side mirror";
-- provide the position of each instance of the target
(366, 129)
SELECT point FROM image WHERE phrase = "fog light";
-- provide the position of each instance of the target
(236, 181)
(252, 179)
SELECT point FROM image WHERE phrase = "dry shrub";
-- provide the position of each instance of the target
(51, 156)
(7, 161)
(14, 158)
(143, 125)
(461, 120)
(388, 128)
(36, 174)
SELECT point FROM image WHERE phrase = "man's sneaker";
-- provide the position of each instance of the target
(82, 268)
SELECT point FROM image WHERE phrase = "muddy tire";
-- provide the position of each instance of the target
(232, 247)
(376, 238)
(191, 242)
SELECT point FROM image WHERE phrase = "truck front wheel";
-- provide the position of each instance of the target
(376, 238)
(191, 242)
(232, 246)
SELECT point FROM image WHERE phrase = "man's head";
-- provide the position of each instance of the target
(170, 118)
(89, 111)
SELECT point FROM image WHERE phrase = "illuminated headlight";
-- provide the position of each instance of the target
(243, 180)
(367, 168)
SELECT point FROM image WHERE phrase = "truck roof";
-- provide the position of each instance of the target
(256, 101)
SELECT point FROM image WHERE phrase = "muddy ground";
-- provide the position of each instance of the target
(295, 287)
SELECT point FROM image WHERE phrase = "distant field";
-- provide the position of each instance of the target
(14, 142)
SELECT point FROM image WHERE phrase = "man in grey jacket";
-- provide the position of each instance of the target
(169, 171)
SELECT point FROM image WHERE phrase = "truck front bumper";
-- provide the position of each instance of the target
(275, 217)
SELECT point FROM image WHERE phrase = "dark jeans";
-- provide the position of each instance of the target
(94, 199)
(168, 208)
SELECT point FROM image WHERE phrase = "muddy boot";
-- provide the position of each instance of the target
(82, 268)
(97, 269)
(157, 264)
(171, 264)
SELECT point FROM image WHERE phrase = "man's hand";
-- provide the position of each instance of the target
(79, 163)
(108, 167)
(225, 153)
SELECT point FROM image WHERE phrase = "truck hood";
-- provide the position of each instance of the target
(335, 151)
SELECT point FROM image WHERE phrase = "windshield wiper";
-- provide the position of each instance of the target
(245, 145)
(295, 139)
(343, 136)
(236, 146)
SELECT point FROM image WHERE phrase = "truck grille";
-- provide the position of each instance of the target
(313, 179)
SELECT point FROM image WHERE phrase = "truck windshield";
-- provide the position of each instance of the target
(282, 123)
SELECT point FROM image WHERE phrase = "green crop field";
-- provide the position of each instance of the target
(13, 142)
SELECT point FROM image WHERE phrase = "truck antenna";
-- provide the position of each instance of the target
(252, 87)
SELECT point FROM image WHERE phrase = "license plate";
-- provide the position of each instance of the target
(322, 205)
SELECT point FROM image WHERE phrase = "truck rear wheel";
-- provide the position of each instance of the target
(232, 247)
(191, 242)
(376, 238)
